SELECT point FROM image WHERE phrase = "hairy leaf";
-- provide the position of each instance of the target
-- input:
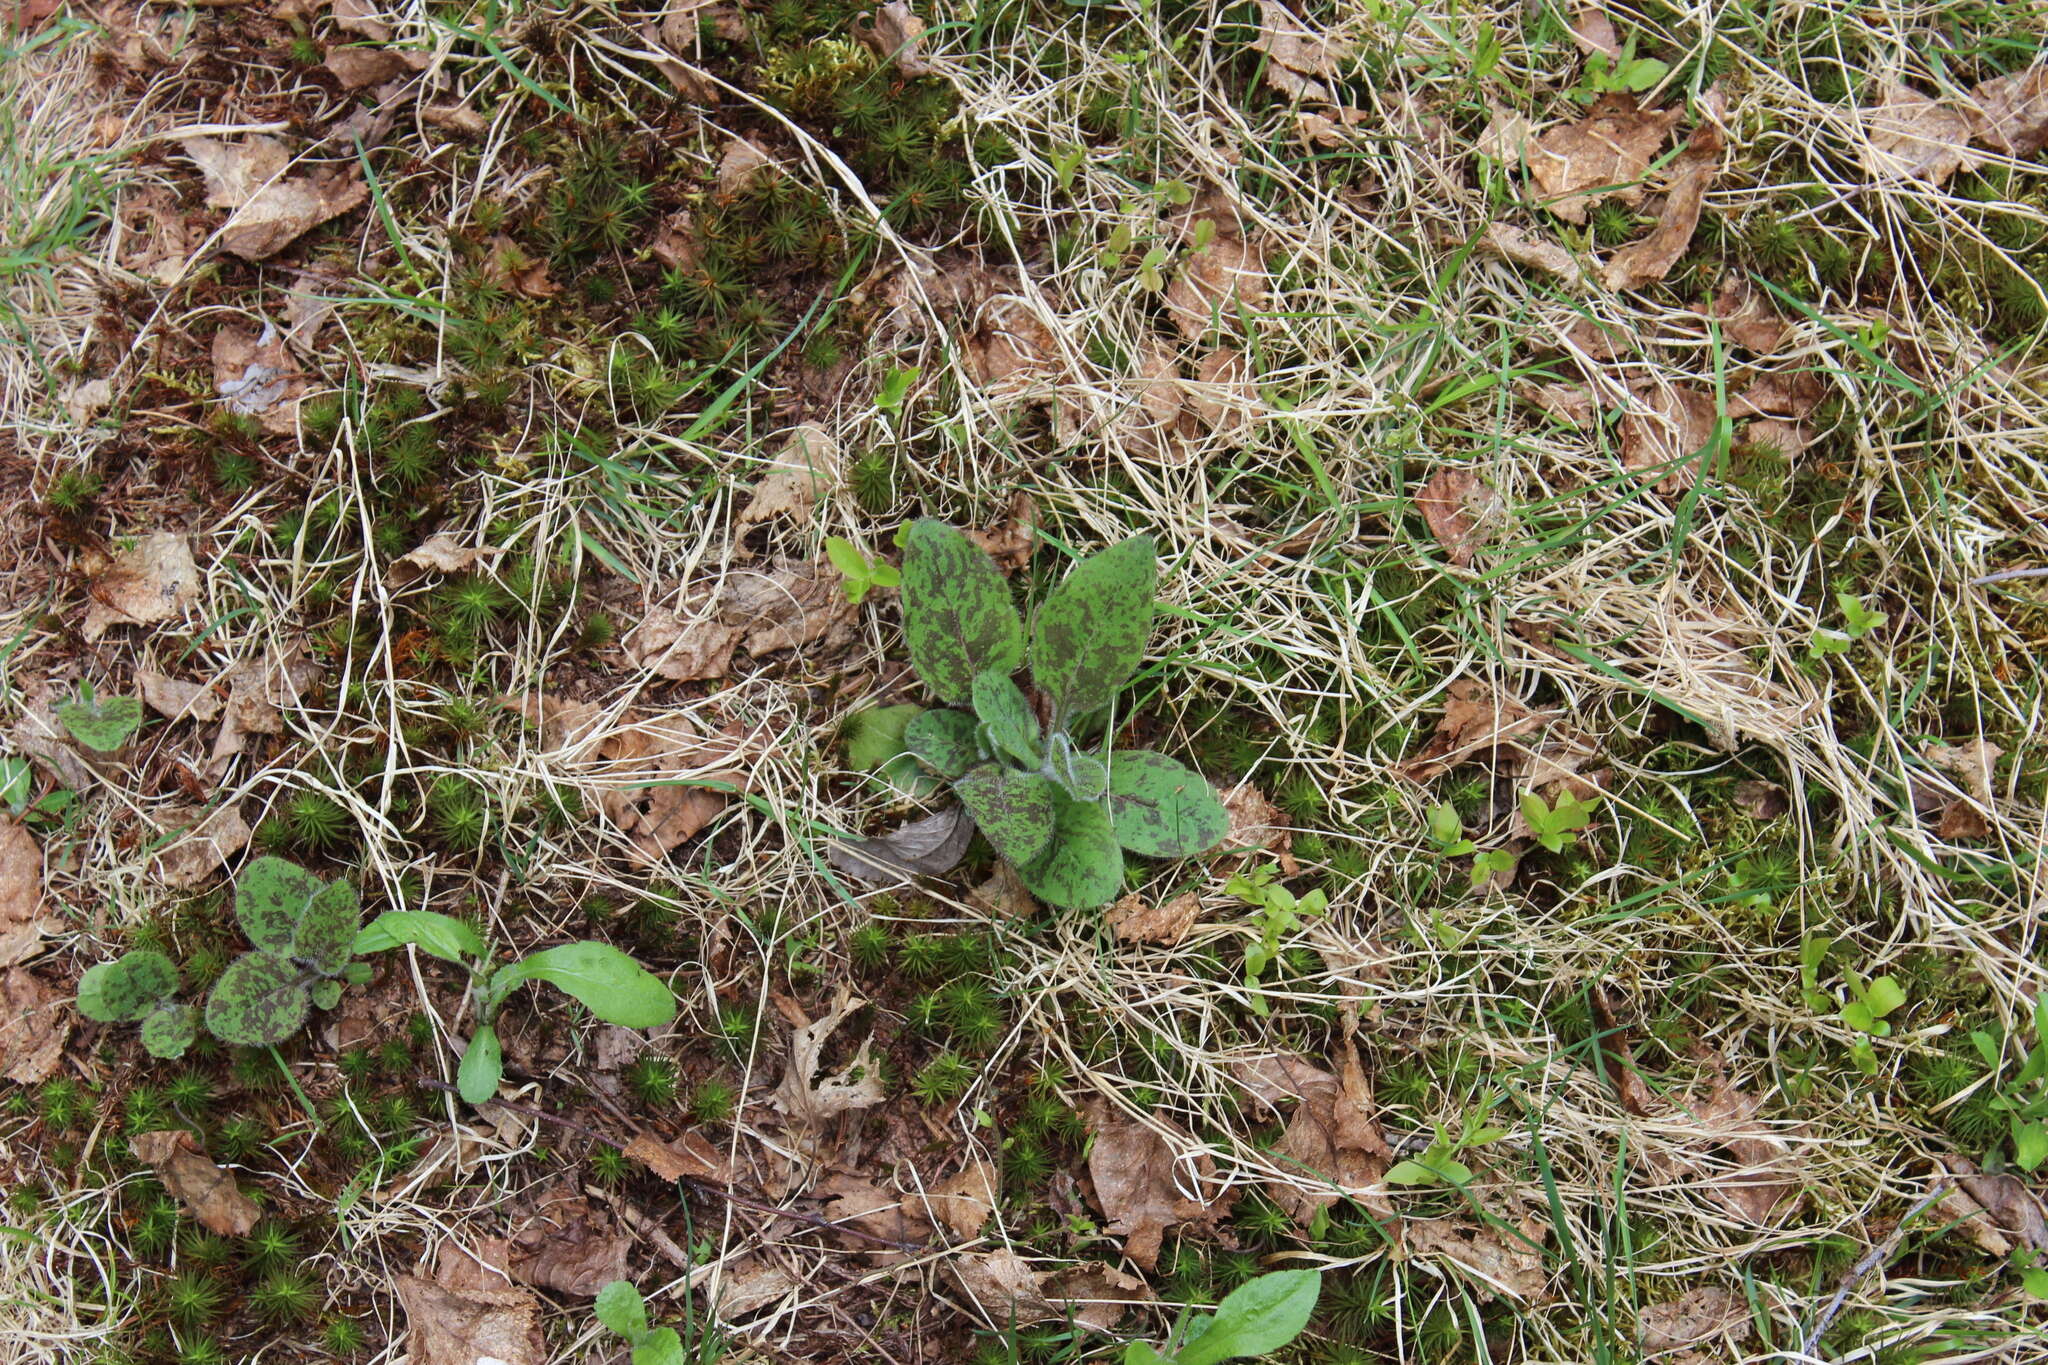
(270, 896)
(1163, 808)
(104, 725)
(1257, 1317)
(620, 1307)
(1015, 810)
(169, 1030)
(443, 936)
(958, 619)
(1090, 633)
(326, 935)
(1001, 706)
(617, 989)
(325, 993)
(127, 988)
(483, 1062)
(259, 1000)
(662, 1346)
(1083, 867)
(1084, 777)
(944, 741)
(875, 735)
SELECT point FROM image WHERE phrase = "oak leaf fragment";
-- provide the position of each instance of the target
(2011, 112)
(270, 209)
(469, 1326)
(802, 1094)
(23, 923)
(1462, 510)
(35, 1024)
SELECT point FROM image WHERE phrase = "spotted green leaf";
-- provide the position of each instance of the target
(944, 741)
(1089, 635)
(326, 934)
(1084, 777)
(1162, 808)
(127, 988)
(103, 724)
(169, 1030)
(483, 1062)
(258, 1001)
(270, 897)
(1000, 705)
(1014, 809)
(958, 619)
(1083, 867)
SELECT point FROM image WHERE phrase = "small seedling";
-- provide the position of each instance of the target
(1446, 830)
(1557, 827)
(861, 573)
(610, 984)
(141, 986)
(1626, 74)
(621, 1308)
(1256, 1318)
(1063, 815)
(1857, 622)
(2023, 1098)
(1438, 1164)
(1277, 912)
(896, 386)
(1494, 862)
(103, 724)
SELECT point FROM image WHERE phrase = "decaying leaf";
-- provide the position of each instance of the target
(357, 67)
(1910, 136)
(1973, 765)
(1526, 248)
(2014, 1211)
(207, 1192)
(23, 922)
(152, 580)
(804, 1097)
(1739, 1162)
(683, 645)
(690, 1156)
(897, 34)
(741, 164)
(271, 209)
(927, 846)
(1746, 317)
(255, 376)
(790, 604)
(1215, 281)
(1223, 396)
(1692, 173)
(806, 469)
(744, 1287)
(963, 1202)
(1256, 824)
(2011, 112)
(35, 1024)
(568, 1244)
(174, 698)
(1012, 539)
(1479, 725)
(1332, 1142)
(1004, 1285)
(1143, 1188)
(648, 769)
(1506, 1261)
(471, 1326)
(441, 552)
(260, 690)
(1010, 352)
(509, 264)
(207, 842)
(1135, 919)
(1298, 60)
(852, 1201)
(1701, 1314)
(1669, 426)
(1462, 509)
(1603, 155)
(1594, 32)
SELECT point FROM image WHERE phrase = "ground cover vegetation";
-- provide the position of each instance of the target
(1151, 681)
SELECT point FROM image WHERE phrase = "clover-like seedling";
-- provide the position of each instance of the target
(302, 933)
(99, 723)
(621, 1308)
(1062, 814)
(141, 987)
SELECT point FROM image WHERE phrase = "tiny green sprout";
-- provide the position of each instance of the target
(1257, 1318)
(862, 574)
(1446, 830)
(896, 386)
(102, 724)
(1857, 622)
(1276, 913)
(1151, 268)
(1557, 826)
(1438, 1163)
(621, 1308)
(2026, 1263)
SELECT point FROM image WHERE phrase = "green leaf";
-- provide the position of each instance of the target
(2029, 1144)
(439, 935)
(127, 988)
(1163, 808)
(326, 993)
(1089, 634)
(17, 782)
(1084, 777)
(875, 735)
(1257, 1317)
(270, 897)
(1857, 1016)
(483, 1062)
(944, 741)
(1641, 74)
(1446, 827)
(259, 1000)
(661, 1347)
(612, 985)
(169, 1030)
(104, 724)
(896, 387)
(1000, 705)
(1141, 1353)
(958, 619)
(1015, 810)
(1884, 996)
(2035, 1282)
(620, 1307)
(1084, 867)
(326, 936)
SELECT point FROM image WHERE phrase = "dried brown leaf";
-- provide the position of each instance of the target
(646, 767)
(1143, 1190)
(1746, 317)
(1697, 1315)
(208, 1193)
(2011, 112)
(789, 604)
(963, 1202)
(1669, 427)
(1692, 174)
(1462, 510)
(1594, 32)
(2013, 1213)
(1333, 1138)
(270, 209)
(1603, 155)
(174, 697)
(207, 842)
(741, 164)
(1738, 1161)
(356, 67)
(1213, 283)
(259, 691)
(927, 846)
(1135, 919)
(35, 1023)
(806, 469)
(23, 922)
(1501, 1260)
(255, 376)
(897, 34)
(150, 581)
(1298, 59)
(853, 1201)
(1477, 724)
(1256, 823)
(804, 1097)
(1004, 1285)
(1526, 248)
(1572, 404)
(469, 1326)
(1011, 540)
(442, 552)
(1761, 800)
(690, 1156)
(569, 1245)
(747, 1286)
(683, 647)
(1222, 396)
(1910, 136)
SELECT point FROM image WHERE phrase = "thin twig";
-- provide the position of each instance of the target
(1870, 1260)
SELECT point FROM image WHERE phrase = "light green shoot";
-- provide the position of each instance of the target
(1277, 913)
(861, 573)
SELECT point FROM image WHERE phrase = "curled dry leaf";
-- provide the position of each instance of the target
(441, 552)
(1332, 1142)
(569, 1245)
(1298, 60)
(207, 1192)
(1526, 248)
(1463, 511)
(270, 209)
(1478, 724)
(808, 1100)
(150, 581)
(1666, 430)
(1010, 541)
(1137, 920)
(806, 469)
(507, 263)
(1594, 32)
(897, 34)
(1910, 136)
(963, 1202)
(684, 645)
(260, 690)
(469, 1326)
(22, 921)
(1218, 280)
(927, 846)
(858, 1203)
(1697, 1315)
(1692, 174)
(689, 1157)
(1507, 1261)
(35, 1024)
(1144, 1189)
(1603, 155)
(208, 841)
(2011, 112)
(647, 768)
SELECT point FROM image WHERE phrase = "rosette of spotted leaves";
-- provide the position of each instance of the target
(1063, 815)
(302, 933)
(141, 987)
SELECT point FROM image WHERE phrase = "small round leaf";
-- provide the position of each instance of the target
(1163, 808)
(127, 988)
(259, 1000)
(270, 897)
(169, 1030)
